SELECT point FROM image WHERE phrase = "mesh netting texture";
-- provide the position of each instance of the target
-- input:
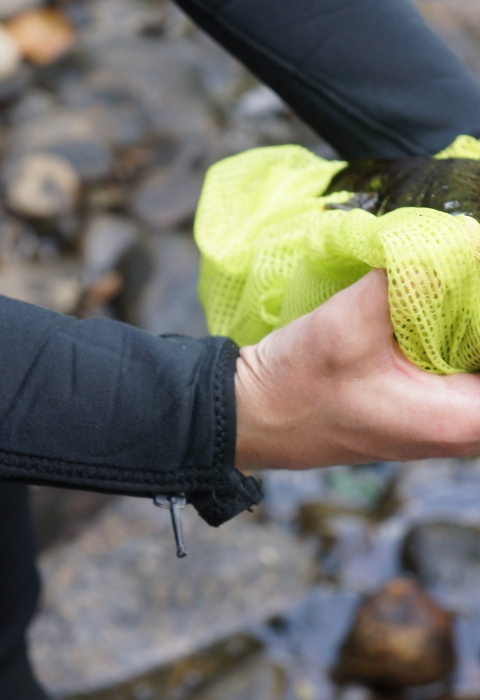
(271, 252)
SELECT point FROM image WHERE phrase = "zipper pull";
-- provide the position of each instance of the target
(174, 504)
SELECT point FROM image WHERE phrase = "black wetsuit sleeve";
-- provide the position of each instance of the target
(97, 404)
(368, 75)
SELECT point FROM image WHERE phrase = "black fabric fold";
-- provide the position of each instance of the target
(101, 405)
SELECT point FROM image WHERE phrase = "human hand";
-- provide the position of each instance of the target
(333, 387)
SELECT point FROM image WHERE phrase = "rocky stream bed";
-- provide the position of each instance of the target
(348, 583)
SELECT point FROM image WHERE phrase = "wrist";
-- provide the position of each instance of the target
(252, 424)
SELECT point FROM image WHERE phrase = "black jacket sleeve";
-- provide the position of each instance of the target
(368, 75)
(97, 404)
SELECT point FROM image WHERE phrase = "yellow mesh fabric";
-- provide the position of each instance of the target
(271, 252)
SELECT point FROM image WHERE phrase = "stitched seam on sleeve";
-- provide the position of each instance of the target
(198, 478)
(219, 407)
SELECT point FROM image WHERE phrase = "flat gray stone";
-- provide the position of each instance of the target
(107, 237)
(8, 8)
(164, 77)
(112, 104)
(117, 602)
(167, 197)
(34, 104)
(55, 285)
(68, 135)
(42, 186)
(170, 303)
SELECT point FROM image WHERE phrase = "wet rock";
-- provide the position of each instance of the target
(10, 57)
(55, 285)
(41, 35)
(67, 135)
(132, 162)
(259, 102)
(171, 303)
(165, 80)
(369, 489)
(177, 114)
(136, 268)
(41, 186)
(230, 660)
(251, 681)
(441, 489)
(112, 105)
(304, 641)
(312, 520)
(34, 104)
(14, 7)
(167, 197)
(446, 558)
(177, 25)
(222, 77)
(400, 638)
(107, 237)
(12, 87)
(119, 603)
(12, 230)
(121, 18)
(106, 197)
(340, 536)
(118, 266)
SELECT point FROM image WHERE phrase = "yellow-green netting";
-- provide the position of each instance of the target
(271, 252)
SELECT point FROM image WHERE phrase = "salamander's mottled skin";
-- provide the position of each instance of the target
(381, 185)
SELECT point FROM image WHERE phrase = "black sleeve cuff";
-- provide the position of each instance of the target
(233, 492)
(100, 405)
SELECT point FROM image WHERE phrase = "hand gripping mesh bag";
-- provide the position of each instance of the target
(271, 252)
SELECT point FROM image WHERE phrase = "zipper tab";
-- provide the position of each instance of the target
(174, 504)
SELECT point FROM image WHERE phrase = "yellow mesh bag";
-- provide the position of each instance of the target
(272, 252)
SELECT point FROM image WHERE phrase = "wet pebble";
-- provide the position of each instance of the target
(10, 57)
(118, 602)
(112, 105)
(8, 8)
(106, 238)
(400, 638)
(13, 233)
(54, 284)
(68, 135)
(41, 186)
(166, 82)
(446, 558)
(113, 252)
(171, 303)
(259, 102)
(34, 104)
(120, 18)
(254, 680)
(167, 197)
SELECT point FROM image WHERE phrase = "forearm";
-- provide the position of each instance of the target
(369, 75)
(101, 405)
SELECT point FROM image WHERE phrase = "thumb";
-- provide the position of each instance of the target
(361, 314)
(369, 297)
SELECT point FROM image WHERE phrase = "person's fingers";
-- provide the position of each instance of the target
(333, 387)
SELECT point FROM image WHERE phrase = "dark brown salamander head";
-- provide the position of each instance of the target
(384, 184)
